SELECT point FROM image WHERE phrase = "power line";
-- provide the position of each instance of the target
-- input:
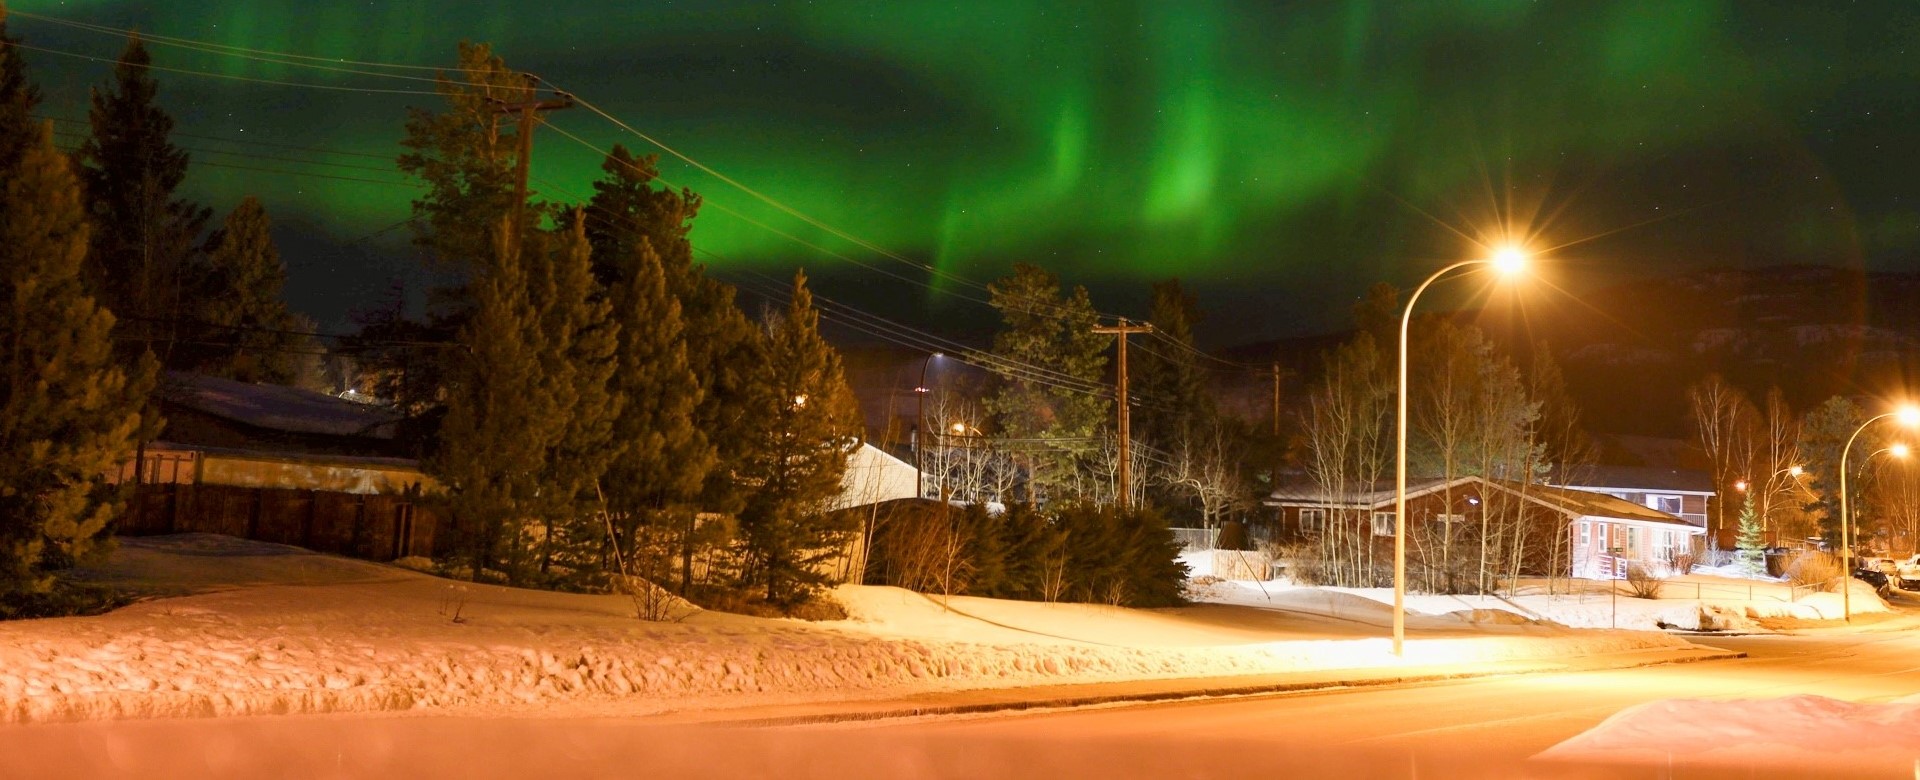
(230, 77)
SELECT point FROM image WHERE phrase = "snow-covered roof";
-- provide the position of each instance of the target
(1573, 503)
(277, 407)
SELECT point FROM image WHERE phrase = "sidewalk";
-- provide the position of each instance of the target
(1143, 691)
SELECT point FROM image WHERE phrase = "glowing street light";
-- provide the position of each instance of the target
(1907, 415)
(1508, 261)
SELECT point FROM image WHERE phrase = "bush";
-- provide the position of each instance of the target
(1642, 583)
(1814, 569)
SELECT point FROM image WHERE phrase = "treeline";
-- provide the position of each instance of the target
(109, 276)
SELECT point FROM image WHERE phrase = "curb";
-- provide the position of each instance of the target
(1186, 694)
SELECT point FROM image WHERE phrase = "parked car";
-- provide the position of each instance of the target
(1879, 580)
(1907, 573)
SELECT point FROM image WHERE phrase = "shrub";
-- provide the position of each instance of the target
(1815, 569)
(1642, 583)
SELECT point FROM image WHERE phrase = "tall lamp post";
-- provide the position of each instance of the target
(1909, 416)
(1508, 261)
(920, 425)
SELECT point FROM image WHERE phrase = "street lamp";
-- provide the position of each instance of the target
(1909, 416)
(1508, 261)
(920, 425)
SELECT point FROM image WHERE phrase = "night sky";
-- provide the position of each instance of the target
(1280, 156)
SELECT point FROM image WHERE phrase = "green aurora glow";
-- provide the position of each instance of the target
(1293, 145)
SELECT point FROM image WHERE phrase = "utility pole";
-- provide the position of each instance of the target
(1126, 436)
(528, 110)
(1276, 400)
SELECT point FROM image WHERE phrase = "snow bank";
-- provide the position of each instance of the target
(273, 630)
(1692, 603)
(1774, 735)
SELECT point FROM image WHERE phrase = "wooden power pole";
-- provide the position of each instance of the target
(1126, 436)
(1276, 399)
(528, 110)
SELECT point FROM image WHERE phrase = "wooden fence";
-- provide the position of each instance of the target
(375, 527)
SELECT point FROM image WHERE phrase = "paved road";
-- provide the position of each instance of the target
(1476, 728)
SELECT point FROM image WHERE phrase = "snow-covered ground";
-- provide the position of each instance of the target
(1779, 735)
(1689, 602)
(272, 629)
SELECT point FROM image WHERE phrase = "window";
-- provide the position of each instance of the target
(1667, 504)
(1633, 542)
(1383, 524)
(1662, 545)
(1446, 518)
(1313, 519)
(1582, 535)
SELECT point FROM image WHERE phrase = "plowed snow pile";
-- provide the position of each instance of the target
(1769, 735)
(273, 629)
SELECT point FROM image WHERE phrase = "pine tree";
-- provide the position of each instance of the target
(1750, 547)
(1823, 438)
(144, 238)
(18, 98)
(68, 413)
(466, 159)
(1169, 375)
(655, 485)
(240, 298)
(578, 362)
(808, 425)
(499, 425)
(1053, 364)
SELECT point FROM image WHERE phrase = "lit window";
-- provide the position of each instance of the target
(1383, 524)
(1667, 504)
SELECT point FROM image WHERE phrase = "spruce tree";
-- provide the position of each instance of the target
(1750, 546)
(1051, 365)
(656, 483)
(18, 98)
(808, 424)
(578, 363)
(1169, 375)
(240, 301)
(722, 345)
(499, 425)
(68, 413)
(144, 238)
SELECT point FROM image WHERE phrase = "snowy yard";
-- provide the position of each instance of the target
(271, 629)
(1688, 602)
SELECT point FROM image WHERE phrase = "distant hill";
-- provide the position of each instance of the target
(1630, 351)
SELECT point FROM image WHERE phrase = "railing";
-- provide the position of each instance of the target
(1195, 539)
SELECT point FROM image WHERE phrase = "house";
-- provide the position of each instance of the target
(279, 464)
(1684, 493)
(1574, 533)
(874, 476)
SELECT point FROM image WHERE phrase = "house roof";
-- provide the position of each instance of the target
(1299, 489)
(1581, 503)
(277, 407)
(1573, 503)
(1639, 479)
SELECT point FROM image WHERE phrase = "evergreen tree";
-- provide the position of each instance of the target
(656, 483)
(722, 345)
(240, 298)
(18, 98)
(499, 424)
(1750, 547)
(808, 425)
(581, 339)
(144, 238)
(466, 159)
(986, 554)
(68, 414)
(1051, 366)
(1035, 553)
(1169, 375)
(1823, 439)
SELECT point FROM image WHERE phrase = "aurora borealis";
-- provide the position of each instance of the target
(1279, 155)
